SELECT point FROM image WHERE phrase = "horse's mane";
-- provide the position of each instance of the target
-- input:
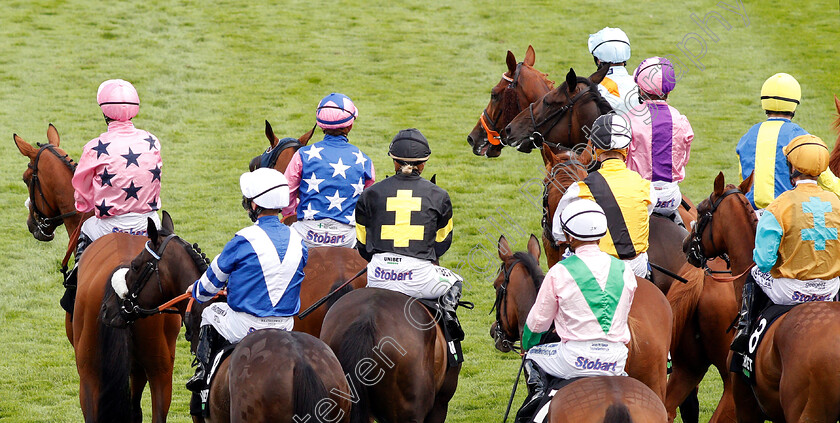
(753, 218)
(532, 266)
(603, 105)
(194, 251)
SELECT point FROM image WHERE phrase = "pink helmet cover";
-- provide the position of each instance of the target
(655, 75)
(336, 111)
(118, 99)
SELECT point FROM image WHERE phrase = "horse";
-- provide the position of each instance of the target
(650, 319)
(394, 354)
(795, 380)
(558, 119)
(327, 267)
(48, 178)
(834, 158)
(702, 311)
(245, 385)
(603, 399)
(520, 86)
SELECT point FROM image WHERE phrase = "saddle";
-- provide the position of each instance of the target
(451, 327)
(743, 364)
(199, 403)
(553, 385)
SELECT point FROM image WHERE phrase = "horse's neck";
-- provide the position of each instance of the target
(739, 247)
(182, 272)
(525, 298)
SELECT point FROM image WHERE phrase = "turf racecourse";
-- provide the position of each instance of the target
(209, 73)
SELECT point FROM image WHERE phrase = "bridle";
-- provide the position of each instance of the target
(42, 220)
(269, 158)
(696, 254)
(130, 308)
(537, 137)
(550, 180)
(488, 123)
(501, 304)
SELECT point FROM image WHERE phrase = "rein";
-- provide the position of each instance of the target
(696, 252)
(537, 138)
(269, 157)
(501, 304)
(488, 123)
(41, 219)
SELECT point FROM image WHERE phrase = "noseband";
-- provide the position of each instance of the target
(42, 220)
(537, 138)
(501, 304)
(130, 308)
(488, 123)
(696, 253)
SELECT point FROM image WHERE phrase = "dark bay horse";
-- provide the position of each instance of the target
(606, 399)
(272, 375)
(48, 178)
(394, 355)
(520, 86)
(327, 267)
(797, 362)
(650, 318)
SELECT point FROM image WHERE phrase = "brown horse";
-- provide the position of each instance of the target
(394, 355)
(271, 375)
(558, 119)
(48, 177)
(795, 376)
(520, 86)
(606, 399)
(834, 159)
(327, 267)
(650, 318)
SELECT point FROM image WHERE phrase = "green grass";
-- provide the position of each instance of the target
(210, 72)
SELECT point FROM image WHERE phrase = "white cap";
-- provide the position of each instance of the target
(583, 219)
(610, 45)
(266, 187)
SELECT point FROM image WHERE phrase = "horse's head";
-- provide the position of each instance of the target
(516, 287)
(561, 116)
(48, 177)
(734, 229)
(162, 271)
(519, 86)
(280, 151)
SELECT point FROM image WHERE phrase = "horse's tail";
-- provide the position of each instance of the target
(356, 345)
(683, 298)
(618, 413)
(340, 293)
(114, 402)
(308, 388)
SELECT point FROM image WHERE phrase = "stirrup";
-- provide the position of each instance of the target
(198, 382)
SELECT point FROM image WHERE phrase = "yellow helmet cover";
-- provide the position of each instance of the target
(780, 93)
(808, 154)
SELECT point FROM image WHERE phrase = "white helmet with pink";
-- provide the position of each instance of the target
(118, 99)
(655, 75)
(336, 111)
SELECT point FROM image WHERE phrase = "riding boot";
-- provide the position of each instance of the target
(450, 302)
(742, 336)
(536, 381)
(678, 219)
(68, 300)
(208, 340)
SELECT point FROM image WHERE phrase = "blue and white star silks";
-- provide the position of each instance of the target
(333, 176)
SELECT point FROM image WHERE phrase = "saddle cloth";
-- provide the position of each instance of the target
(745, 364)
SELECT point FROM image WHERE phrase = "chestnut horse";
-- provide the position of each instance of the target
(797, 362)
(394, 355)
(702, 311)
(834, 159)
(272, 375)
(520, 86)
(327, 267)
(606, 399)
(650, 317)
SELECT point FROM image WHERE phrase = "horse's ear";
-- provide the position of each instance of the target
(511, 63)
(25, 148)
(548, 157)
(746, 184)
(52, 135)
(504, 248)
(269, 133)
(571, 80)
(306, 137)
(166, 222)
(534, 247)
(719, 184)
(599, 74)
(433, 179)
(530, 56)
(151, 230)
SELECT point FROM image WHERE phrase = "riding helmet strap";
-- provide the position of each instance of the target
(615, 220)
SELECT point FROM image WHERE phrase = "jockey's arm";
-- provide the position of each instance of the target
(443, 236)
(768, 237)
(542, 313)
(362, 222)
(215, 277)
(292, 174)
(829, 182)
(83, 181)
(651, 199)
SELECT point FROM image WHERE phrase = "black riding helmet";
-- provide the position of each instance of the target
(610, 132)
(409, 146)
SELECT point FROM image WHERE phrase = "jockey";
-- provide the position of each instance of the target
(661, 136)
(760, 149)
(626, 197)
(404, 225)
(118, 175)
(587, 296)
(335, 172)
(797, 252)
(262, 268)
(611, 47)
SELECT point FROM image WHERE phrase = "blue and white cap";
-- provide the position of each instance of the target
(610, 45)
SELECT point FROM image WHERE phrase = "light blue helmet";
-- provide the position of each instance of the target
(610, 45)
